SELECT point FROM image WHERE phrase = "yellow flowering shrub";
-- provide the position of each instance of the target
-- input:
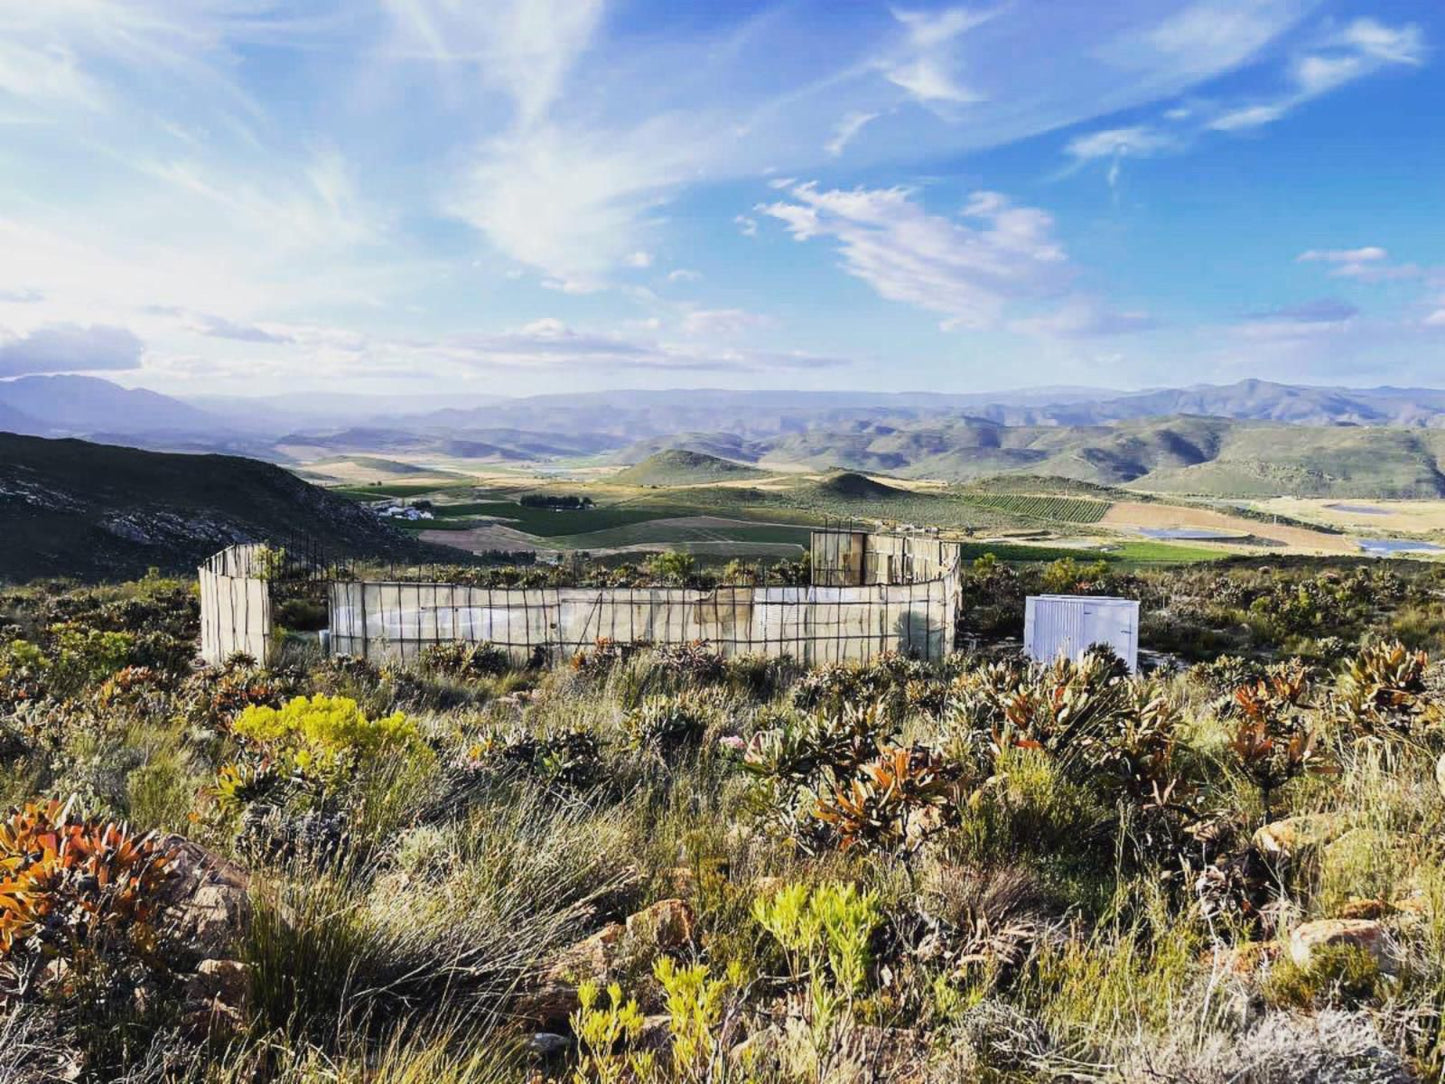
(327, 735)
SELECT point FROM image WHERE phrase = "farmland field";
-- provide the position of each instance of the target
(1052, 509)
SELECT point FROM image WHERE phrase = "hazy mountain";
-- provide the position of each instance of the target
(85, 405)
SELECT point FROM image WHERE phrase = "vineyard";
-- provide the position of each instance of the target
(1033, 506)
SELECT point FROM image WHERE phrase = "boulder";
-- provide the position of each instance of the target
(224, 981)
(665, 926)
(205, 900)
(1366, 933)
(552, 997)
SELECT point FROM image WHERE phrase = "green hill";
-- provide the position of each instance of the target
(97, 511)
(853, 486)
(682, 467)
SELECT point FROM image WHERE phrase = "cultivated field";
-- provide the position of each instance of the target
(1364, 516)
(1137, 515)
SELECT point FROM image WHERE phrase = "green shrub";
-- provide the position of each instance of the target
(1336, 974)
(329, 738)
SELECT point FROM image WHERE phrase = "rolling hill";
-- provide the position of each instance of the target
(94, 511)
(681, 467)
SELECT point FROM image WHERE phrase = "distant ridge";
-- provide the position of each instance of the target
(98, 512)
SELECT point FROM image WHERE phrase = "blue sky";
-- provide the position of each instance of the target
(519, 196)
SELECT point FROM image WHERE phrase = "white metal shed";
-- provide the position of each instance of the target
(1057, 625)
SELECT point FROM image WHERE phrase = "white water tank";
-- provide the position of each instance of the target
(1057, 625)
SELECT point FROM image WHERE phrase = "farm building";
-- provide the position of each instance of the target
(870, 594)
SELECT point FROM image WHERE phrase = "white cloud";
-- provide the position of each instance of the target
(967, 269)
(722, 323)
(570, 205)
(846, 131)
(1223, 33)
(525, 48)
(1394, 45)
(1217, 35)
(550, 343)
(928, 80)
(1135, 142)
(1318, 74)
(930, 29)
(926, 67)
(70, 348)
(1366, 254)
(639, 260)
(1084, 318)
(1362, 48)
(1369, 264)
(1247, 117)
(684, 274)
(747, 226)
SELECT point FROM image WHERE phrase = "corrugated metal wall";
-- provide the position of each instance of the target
(879, 593)
(235, 606)
(1066, 625)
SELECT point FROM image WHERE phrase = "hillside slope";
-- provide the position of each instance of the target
(681, 467)
(96, 511)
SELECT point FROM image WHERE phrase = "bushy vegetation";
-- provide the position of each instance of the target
(658, 864)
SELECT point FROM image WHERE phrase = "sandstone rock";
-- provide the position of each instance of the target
(665, 926)
(552, 997)
(224, 981)
(206, 900)
(214, 1022)
(1288, 838)
(1365, 933)
(1440, 773)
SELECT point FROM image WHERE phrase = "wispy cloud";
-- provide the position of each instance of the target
(1370, 263)
(846, 131)
(967, 269)
(1216, 32)
(722, 323)
(552, 343)
(1083, 318)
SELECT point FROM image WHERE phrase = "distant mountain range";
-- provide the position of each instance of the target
(1252, 437)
